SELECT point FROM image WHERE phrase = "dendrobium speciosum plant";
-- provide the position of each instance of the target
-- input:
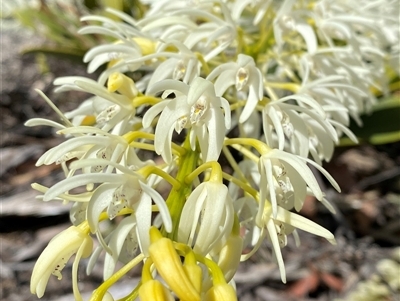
(270, 86)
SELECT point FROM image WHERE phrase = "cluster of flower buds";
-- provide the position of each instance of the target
(269, 85)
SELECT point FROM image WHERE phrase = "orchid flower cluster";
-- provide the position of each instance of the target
(270, 86)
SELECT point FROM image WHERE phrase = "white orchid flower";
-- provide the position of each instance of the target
(278, 227)
(245, 76)
(74, 240)
(284, 181)
(207, 217)
(116, 192)
(196, 107)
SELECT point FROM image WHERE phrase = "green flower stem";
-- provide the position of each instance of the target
(271, 93)
(125, 211)
(266, 34)
(238, 143)
(177, 198)
(145, 100)
(146, 271)
(240, 40)
(148, 170)
(247, 188)
(64, 119)
(203, 62)
(292, 87)
(237, 105)
(216, 172)
(217, 275)
(132, 136)
(144, 146)
(99, 293)
(233, 163)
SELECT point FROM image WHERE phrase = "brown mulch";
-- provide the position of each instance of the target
(367, 225)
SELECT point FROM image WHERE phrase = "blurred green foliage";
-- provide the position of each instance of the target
(58, 23)
(382, 125)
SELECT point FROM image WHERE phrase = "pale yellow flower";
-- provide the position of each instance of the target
(55, 256)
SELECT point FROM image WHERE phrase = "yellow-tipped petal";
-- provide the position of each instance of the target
(169, 266)
(123, 84)
(146, 46)
(88, 120)
(115, 81)
(153, 290)
(221, 292)
(56, 255)
(194, 273)
(229, 256)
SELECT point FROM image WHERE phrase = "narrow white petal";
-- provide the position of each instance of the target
(45, 122)
(308, 34)
(163, 71)
(277, 249)
(81, 180)
(263, 196)
(224, 81)
(100, 200)
(93, 29)
(152, 113)
(251, 104)
(169, 21)
(110, 48)
(301, 168)
(214, 211)
(83, 251)
(219, 69)
(87, 130)
(276, 121)
(345, 130)
(84, 163)
(198, 87)
(271, 186)
(162, 206)
(304, 224)
(216, 134)
(143, 218)
(168, 84)
(59, 151)
(227, 112)
(325, 173)
(95, 88)
(191, 213)
(116, 242)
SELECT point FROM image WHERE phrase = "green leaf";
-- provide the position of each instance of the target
(70, 53)
(381, 126)
(91, 4)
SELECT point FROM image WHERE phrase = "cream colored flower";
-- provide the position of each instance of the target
(74, 240)
(246, 78)
(196, 107)
(276, 228)
(207, 217)
(285, 178)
